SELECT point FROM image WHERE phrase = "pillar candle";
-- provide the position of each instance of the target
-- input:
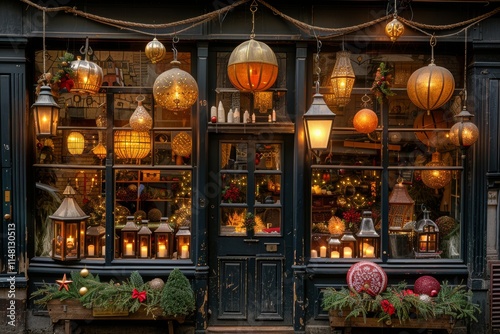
(213, 112)
(184, 252)
(91, 250)
(347, 252)
(335, 255)
(128, 249)
(274, 115)
(162, 250)
(144, 251)
(221, 114)
(322, 251)
(103, 250)
(314, 253)
(369, 252)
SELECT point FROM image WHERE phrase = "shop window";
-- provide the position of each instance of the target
(407, 179)
(151, 181)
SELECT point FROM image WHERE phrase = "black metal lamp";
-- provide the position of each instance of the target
(46, 112)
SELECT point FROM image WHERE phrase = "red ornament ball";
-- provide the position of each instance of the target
(214, 119)
(427, 285)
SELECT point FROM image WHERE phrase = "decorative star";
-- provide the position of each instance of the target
(63, 283)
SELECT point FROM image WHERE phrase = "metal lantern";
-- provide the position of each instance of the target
(318, 122)
(401, 240)
(427, 237)
(401, 205)
(436, 178)
(94, 245)
(252, 66)
(46, 112)
(76, 143)
(100, 151)
(164, 240)
(144, 240)
(68, 225)
(129, 144)
(129, 238)
(394, 29)
(464, 133)
(183, 242)
(141, 120)
(368, 238)
(365, 121)
(155, 51)
(348, 245)
(87, 75)
(342, 78)
(334, 247)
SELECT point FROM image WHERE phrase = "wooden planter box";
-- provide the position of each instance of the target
(337, 319)
(68, 310)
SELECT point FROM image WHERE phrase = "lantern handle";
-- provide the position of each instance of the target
(86, 50)
(175, 40)
(365, 99)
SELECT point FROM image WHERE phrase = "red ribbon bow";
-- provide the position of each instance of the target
(139, 295)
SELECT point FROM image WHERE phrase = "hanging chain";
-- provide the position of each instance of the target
(432, 42)
(43, 46)
(253, 9)
(318, 68)
(465, 70)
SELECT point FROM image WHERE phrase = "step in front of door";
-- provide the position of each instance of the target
(253, 329)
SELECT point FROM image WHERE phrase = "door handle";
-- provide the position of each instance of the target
(7, 216)
(254, 241)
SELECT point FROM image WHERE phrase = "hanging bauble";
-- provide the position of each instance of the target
(84, 272)
(433, 120)
(394, 29)
(182, 144)
(426, 285)
(175, 89)
(436, 178)
(155, 51)
(83, 291)
(365, 121)
(140, 119)
(252, 66)
(87, 75)
(430, 87)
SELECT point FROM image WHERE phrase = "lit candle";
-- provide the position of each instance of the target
(162, 250)
(335, 255)
(91, 249)
(253, 118)
(103, 250)
(128, 249)
(322, 251)
(369, 251)
(144, 251)
(70, 242)
(314, 253)
(274, 115)
(347, 252)
(184, 252)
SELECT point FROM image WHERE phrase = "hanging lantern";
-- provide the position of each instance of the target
(76, 143)
(141, 120)
(464, 133)
(394, 29)
(401, 206)
(365, 121)
(436, 178)
(427, 235)
(46, 112)
(342, 78)
(164, 240)
(367, 237)
(434, 120)
(87, 75)
(155, 51)
(182, 144)
(68, 225)
(100, 151)
(129, 144)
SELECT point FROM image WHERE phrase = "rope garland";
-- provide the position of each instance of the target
(304, 27)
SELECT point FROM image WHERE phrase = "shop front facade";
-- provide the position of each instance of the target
(226, 187)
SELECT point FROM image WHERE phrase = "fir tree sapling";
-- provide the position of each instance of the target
(177, 296)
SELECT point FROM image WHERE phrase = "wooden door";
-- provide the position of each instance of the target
(250, 280)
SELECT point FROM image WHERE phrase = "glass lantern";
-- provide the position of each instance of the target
(368, 238)
(348, 245)
(427, 236)
(116, 244)
(94, 241)
(164, 240)
(144, 240)
(129, 237)
(183, 241)
(334, 246)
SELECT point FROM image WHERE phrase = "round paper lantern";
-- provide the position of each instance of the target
(182, 144)
(76, 143)
(155, 51)
(252, 66)
(366, 276)
(427, 285)
(132, 144)
(365, 121)
(430, 87)
(464, 133)
(436, 178)
(433, 120)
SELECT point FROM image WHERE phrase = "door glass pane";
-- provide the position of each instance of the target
(267, 188)
(234, 156)
(267, 221)
(234, 188)
(232, 220)
(268, 156)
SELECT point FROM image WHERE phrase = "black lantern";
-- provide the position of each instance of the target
(348, 245)
(368, 238)
(318, 122)
(164, 240)
(183, 242)
(94, 241)
(427, 237)
(68, 224)
(46, 113)
(334, 247)
(129, 238)
(144, 240)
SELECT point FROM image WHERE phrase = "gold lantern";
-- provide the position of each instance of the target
(432, 86)
(87, 75)
(141, 120)
(394, 29)
(94, 241)
(129, 238)
(183, 242)
(100, 151)
(182, 144)
(144, 240)
(401, 206)
(164, 240)
(427, 237)
(342, 78)
(348, 245)
(68, 224)
(367, 237)
(464, 133)
(365, 121)
(46, 112)
(436, 178)
(129, 144)
(334, 246)
(175, 89)
(76, 143)
(155, 51)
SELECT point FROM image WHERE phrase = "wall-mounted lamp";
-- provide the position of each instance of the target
(46, 112)
(318, 122)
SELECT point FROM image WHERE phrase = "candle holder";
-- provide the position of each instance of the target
(94, 241)
(164, 235)
(129, 237)
(183, 242)
(144, 240)
(427, 236)
(334, 248)
(368, 238)
(348, 244)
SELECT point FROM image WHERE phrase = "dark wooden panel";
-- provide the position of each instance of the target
(495, 295)
(233, 288)
(269, 289)
(494, 124)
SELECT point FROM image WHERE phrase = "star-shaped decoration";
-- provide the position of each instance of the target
(63, 283)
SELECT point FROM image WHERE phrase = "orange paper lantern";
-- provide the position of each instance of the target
(365, 121)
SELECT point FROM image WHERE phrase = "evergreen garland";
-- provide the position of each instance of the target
(382, 83)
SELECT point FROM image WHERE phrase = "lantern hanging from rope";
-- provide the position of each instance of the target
(155, 51)
(76, 143)
(394, 29)
(436, 178)
(365, 120)
(141, 120)
(87, 75)
(342, 78)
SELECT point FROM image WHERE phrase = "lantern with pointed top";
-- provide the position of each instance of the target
(46, 112)
(87, 74)
(342, 78)
(367, 237)
(464, 133)
(155, 51)
(141, 120)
